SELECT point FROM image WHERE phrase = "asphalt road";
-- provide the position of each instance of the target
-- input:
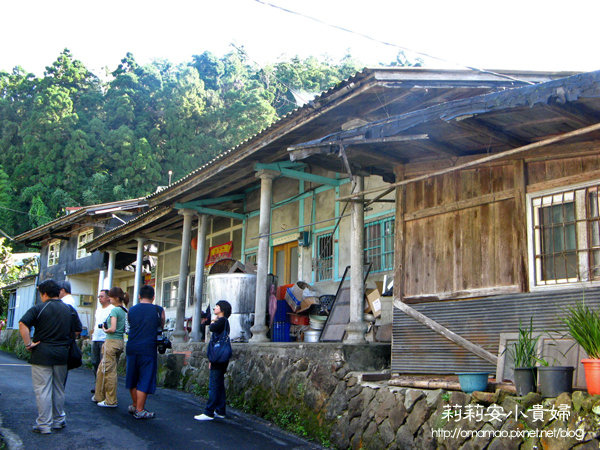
(92, 427)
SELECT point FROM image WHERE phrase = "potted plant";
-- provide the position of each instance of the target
(523, 354)
(583, 324)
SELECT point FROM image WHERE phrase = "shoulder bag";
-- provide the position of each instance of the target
(219, 348)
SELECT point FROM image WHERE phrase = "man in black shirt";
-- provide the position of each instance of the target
(55, 322)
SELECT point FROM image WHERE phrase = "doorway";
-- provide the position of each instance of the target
(285, 262)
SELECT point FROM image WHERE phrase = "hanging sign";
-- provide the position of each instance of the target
(219, 252)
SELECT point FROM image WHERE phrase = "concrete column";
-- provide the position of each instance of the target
(184, 269)
(101, 277)
(259, 330)
(199, 280)
(137, 283)
(355, 331)
(112, 256)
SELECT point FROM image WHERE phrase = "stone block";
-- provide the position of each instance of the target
(386, 432)
(405, 438)
(387, 402)
(418, 416)
(594, 444)
(578, 398)
(485, 398)
(480, 441)
(355, 407)
(532, 398)
(337, 402)
(459, 398)
(434, 398)
(424, 439)
(397, 415)
(564, 399)
(323, 380)
(411, 396)
(340, 432)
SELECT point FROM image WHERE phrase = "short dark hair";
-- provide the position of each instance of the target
(147, 291)
(225, 307)
(50, 288)
(65, 285)
(105, 291)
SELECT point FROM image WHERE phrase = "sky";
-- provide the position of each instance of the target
(518, 35)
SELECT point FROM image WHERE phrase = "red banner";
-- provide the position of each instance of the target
(219, 252)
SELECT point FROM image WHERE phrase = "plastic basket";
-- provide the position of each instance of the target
(281, 332)
(281, 312)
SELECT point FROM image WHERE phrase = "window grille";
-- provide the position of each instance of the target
(566, 236)
(379, 244)
(53, 252)
(83, 239)
(170, 293)
(324, 259)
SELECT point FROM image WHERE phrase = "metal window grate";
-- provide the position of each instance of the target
(379, 244)
(566, 228)
(324, 257)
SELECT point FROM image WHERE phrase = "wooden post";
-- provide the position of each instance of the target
(399, 233)
(520, 183)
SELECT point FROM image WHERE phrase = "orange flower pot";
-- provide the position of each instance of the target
(592, 375)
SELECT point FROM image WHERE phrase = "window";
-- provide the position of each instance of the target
(170, 293)
(53, 252)
(324, 259)
(10, 318)
(379, 244)
(565, 244)
(83, 239)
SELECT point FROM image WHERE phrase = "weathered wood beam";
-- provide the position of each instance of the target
(480, 127)
(461, 204)
(484, 160)
(218, 200)
(441, 148)
(564, 181)
(445, 332)
(164, 240)
(520, 225)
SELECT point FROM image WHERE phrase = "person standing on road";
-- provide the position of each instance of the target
(65, 293)
(216, 381)
(145, 320)
(99, 336)
(54, 323)
(114, 327)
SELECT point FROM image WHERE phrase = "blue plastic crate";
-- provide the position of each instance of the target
(281, 332)
(282, 310)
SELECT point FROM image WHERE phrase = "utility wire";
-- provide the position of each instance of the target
(389, 44)
(23, 212)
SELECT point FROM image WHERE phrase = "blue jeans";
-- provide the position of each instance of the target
(216, 393)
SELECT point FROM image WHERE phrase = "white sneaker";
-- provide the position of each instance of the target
(203, 417)
(219, 416)
(103, 404)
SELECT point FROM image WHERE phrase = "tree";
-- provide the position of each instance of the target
(9, 272)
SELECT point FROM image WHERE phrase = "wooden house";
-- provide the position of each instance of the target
(259, 203)
(497, 217)
(64, 257)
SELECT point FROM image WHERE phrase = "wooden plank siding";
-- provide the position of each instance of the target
(458, 236)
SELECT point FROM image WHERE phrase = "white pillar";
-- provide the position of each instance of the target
(137, 283)
(112, 255)
(179, 333)
(259, 330)
(355, 331)
(101, 277)
(199, 280)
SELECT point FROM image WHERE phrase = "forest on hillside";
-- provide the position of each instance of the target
(71, 138)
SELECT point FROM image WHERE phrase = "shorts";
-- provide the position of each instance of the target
(141, 373)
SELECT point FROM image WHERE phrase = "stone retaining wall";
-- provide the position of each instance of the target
(317, 390)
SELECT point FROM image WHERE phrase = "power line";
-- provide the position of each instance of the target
(389, 44)
(23, 212)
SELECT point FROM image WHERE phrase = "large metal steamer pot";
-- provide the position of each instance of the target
(239, 289)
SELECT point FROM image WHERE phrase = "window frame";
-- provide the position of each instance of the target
(172, 301)
(382, 252)
(578, 194)
(85, 236)
(318, 259)
(53, 253)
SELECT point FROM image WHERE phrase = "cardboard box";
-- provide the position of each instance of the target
(374, 303)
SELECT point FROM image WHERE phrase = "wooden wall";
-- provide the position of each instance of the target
(463, 234)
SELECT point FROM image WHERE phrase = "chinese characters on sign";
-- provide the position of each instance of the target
(495, 413)
(219, 252)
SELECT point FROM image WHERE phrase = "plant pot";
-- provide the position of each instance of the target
(525, 380)
(473, 381)
(554, 380)
(592, 375)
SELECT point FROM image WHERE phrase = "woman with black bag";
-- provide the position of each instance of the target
(219, 352)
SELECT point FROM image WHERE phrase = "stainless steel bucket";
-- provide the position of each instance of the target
(239, 289)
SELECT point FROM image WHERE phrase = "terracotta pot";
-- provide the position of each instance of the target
(592, 375)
